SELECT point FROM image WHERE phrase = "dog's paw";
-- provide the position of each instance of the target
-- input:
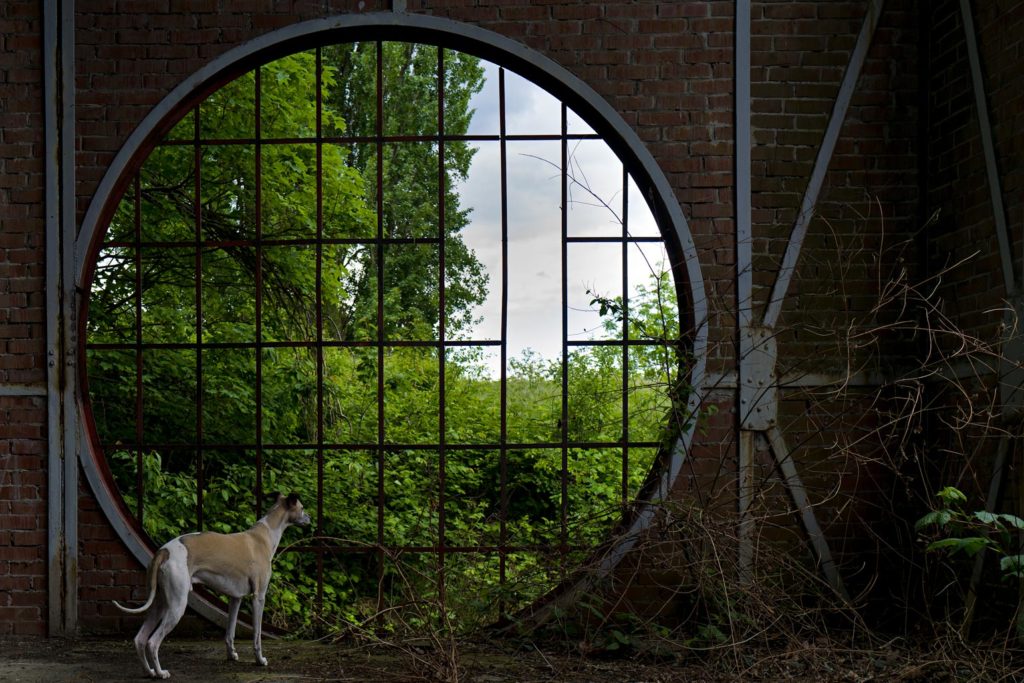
(261, 660)
(233, 655)
(161, 673)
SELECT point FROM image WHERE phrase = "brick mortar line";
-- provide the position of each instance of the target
(22, 390)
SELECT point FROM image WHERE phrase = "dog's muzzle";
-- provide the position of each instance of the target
(303, 520)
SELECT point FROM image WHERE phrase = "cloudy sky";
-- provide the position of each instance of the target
(534, 222)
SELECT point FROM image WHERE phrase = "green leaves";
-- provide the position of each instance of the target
(969, 545)
(951, 496)
(970, 533)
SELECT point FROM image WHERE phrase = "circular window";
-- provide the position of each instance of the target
(407, 283)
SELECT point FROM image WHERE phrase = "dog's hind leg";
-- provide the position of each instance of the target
(142, 637)
(175, 585)
(172, 615)
(229, 634)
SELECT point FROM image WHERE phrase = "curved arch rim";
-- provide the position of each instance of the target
(421, 28)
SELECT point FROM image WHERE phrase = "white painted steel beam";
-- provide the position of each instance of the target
(821, 163)
(744, 281)
(784, 459)
(988, 148)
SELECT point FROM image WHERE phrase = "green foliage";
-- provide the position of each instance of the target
(971, 532)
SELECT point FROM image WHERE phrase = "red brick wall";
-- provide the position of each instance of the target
(23, 576)
(666, 67)
(957, 183)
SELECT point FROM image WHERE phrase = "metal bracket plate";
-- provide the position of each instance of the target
(758, 385)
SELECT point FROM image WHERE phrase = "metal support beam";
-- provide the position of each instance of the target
(821, 162)
(744, 284)
(797, 491)
(988, 148)
(995, 488)
(61, 348)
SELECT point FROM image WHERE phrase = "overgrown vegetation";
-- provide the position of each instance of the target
(782, 622)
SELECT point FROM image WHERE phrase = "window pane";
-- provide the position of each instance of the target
(169, 393)
(410, 190)
(229, 396)
(349, 191)
(410, 89)
(289, 191)
(350, 395)
(169, 295)
(288, 97)
(530, 110)
(472, 395)
(472, 498)
(229, 485)
(289, 400)
(229, 295)
(479, 194)
(534, 250)
(411, 297)
(228, 192)
(411, 398)
(350, 496)
(594, 283)
(483, 104)
(289, 293)
(595, 190)
(112, 313)
(349, 297)
(168, 195)
(112, 394)
(412, 498)
(595, 394)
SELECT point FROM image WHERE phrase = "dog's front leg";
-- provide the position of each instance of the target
(257, 625)
(229, 634)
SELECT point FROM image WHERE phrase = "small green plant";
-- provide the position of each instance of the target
(971, 532)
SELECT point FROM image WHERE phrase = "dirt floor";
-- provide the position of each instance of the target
(193, 661)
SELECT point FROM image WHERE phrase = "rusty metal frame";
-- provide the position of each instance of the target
(397, 26)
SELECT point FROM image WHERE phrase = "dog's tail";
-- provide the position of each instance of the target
(151, 577)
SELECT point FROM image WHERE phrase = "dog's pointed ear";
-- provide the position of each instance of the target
(291, 501)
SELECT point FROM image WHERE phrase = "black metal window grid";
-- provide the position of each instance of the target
(132, 350)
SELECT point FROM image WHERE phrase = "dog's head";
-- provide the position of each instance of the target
(294, 512)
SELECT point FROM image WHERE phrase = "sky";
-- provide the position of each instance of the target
(534, 222)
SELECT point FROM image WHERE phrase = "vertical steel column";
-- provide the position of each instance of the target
(744, 277)
(197, 160)
(379, 251)
(503, 427)
(442, 428)
(61, 328)
(319, 331)
(257, 98)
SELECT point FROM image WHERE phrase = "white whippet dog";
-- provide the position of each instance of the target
(234, 564)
